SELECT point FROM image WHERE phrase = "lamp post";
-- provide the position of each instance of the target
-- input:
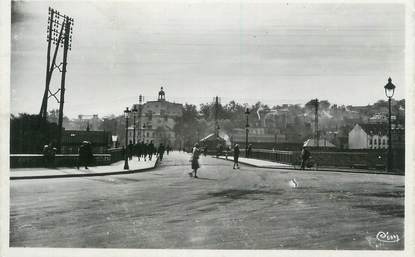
(114, 141)
(389, 91)
(134, 111)
(126, 113)
(246, 131)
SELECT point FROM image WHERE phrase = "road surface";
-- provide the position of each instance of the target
(250, 208)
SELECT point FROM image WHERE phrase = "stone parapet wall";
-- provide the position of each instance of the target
(61, 160)
(371, 159)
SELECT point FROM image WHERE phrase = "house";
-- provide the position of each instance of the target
(211, 142)
(322, 142)
(369, 136)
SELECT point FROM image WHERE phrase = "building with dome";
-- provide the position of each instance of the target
(154, 120)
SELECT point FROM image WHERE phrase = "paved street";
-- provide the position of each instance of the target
(250, 208)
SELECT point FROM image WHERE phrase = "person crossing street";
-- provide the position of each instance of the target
(195, 160)
(236, 156)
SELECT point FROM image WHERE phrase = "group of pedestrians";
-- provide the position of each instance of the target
(49, 152)
(145, 151)
(196, 151)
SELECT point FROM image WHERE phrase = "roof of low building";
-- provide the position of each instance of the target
(321, 143)
(254, 138)
(78, 136)
(375, 128)
(211, 137)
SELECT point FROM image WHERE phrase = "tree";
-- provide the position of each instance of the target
(28, 133)
(186, 126)
(324, 105)
(310, 105)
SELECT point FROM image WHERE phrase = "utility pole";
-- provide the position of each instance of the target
(66, 47)
(59, 33)
(216, 117)
(316, 122)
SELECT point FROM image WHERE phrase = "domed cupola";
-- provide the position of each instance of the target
(162, 95)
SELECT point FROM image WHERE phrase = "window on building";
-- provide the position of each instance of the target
(149, 115)
(370, 141)
(376, 142)
(148, 134)
(383, 141)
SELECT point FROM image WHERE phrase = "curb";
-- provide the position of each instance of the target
(87, 174)
(322, 169)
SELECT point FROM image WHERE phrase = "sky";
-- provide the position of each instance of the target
(275, 53)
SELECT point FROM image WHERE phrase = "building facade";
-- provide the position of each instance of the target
(154, 120)
(368, 136)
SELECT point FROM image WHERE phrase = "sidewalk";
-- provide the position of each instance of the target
(276, 165)
(260, 163)
(113, 169)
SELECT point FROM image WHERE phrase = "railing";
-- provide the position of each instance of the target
(370, 159)
(117, 154)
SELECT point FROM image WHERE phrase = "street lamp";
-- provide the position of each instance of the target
(246, 130)
(389, 91)
(114, 141)
(134, 111)
(126, 113)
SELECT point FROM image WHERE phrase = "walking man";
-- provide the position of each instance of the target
(145, 150)
(150, 150)
(249, 150)
(137, 150)
(84, 155)
(305, 155)
(161, 151)
(236, 156)
(130, 149)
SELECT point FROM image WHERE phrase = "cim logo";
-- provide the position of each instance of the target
(387, 237)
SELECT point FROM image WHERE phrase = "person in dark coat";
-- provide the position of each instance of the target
(49, 153)
(130, 150)
(168, 149)
(144, 150)
(137, 150)
(84, 155)
(249, 152)
(161, 151)
(236, 156)
(150, 150)
(305, 155)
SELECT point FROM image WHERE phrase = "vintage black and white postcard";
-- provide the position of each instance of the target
(207, 128)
